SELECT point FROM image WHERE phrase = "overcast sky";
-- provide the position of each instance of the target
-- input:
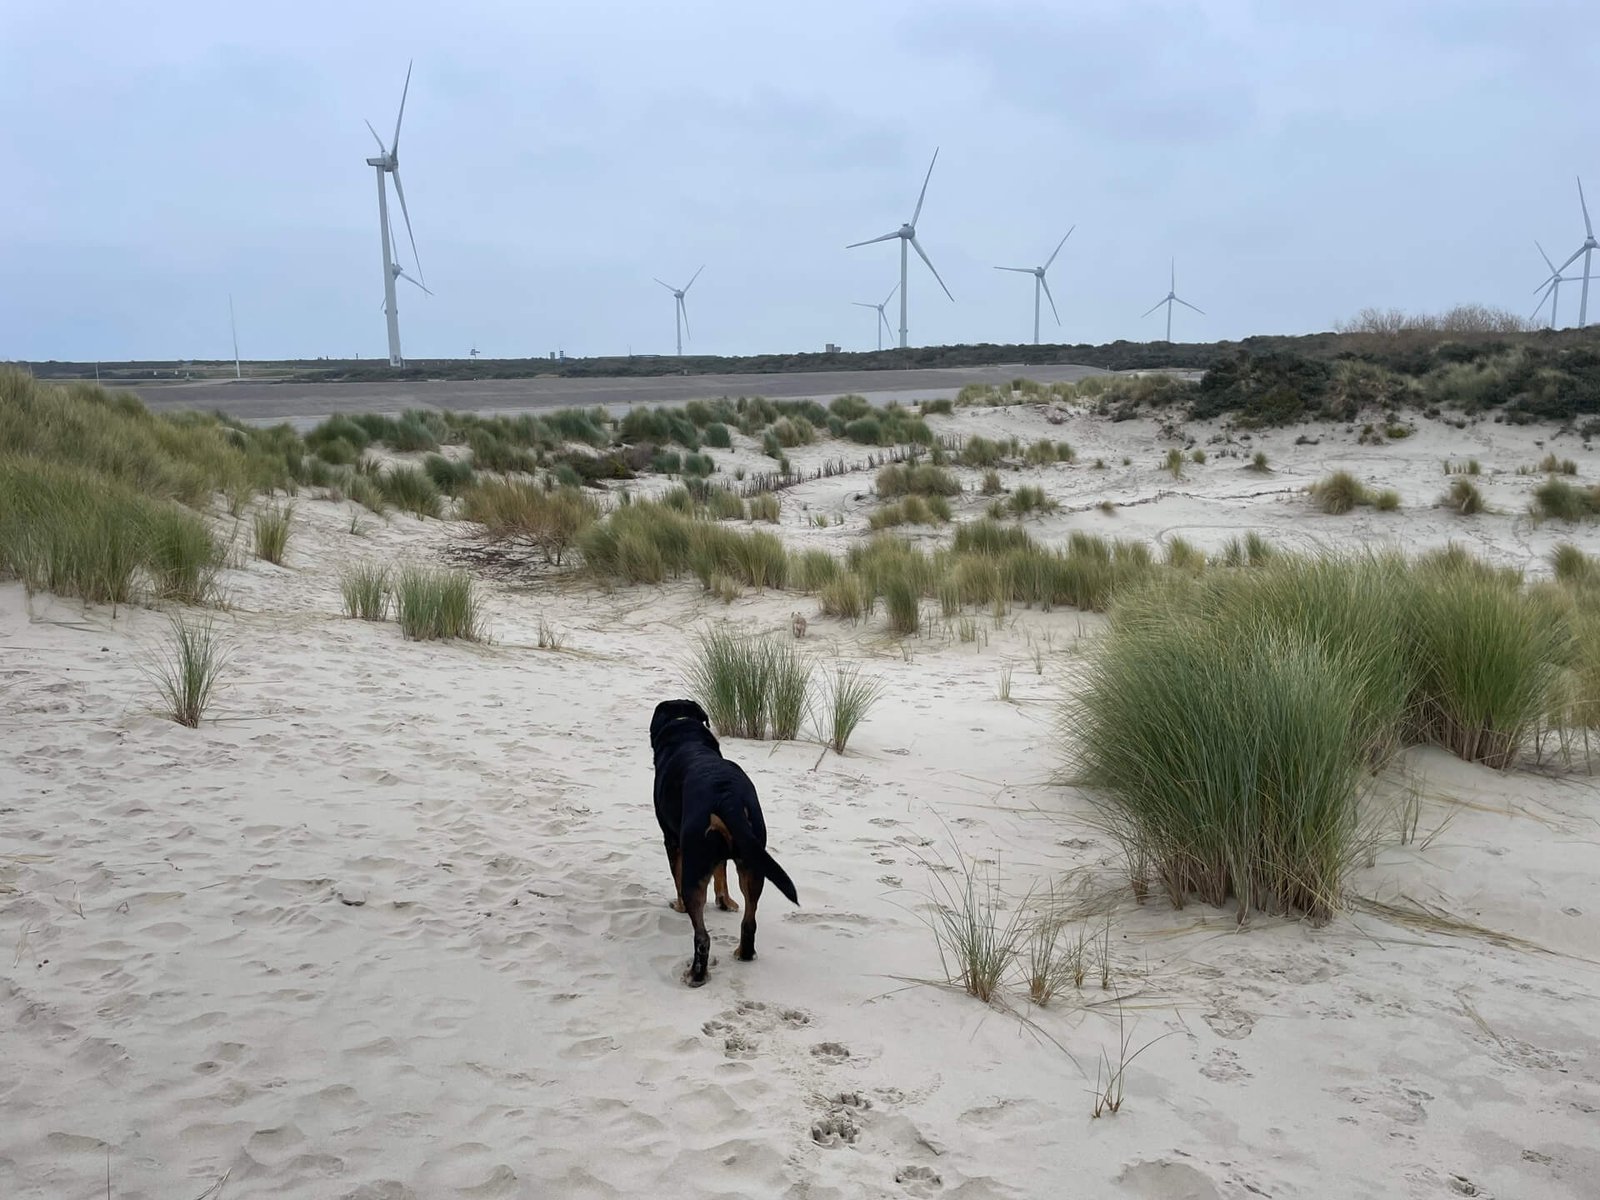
(1299, 161)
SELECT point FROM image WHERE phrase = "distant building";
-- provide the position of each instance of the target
(831, 348)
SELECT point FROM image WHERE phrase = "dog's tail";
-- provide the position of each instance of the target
(780, 877)
(749, 849)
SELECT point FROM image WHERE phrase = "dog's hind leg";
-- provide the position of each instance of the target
(694, 902)
(719, 878)
(675, 861)
(750, 883)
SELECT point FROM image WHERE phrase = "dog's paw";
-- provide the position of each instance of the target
(688, 978)
(675, 905)
(743, 957)
(727, 904)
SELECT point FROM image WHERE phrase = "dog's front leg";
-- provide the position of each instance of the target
(694, 903)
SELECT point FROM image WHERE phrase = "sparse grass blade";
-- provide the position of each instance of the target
(365, 588)
(186, 671)
(847, 698)
(272, 525)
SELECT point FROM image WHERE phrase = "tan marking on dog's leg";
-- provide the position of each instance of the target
(719, 878)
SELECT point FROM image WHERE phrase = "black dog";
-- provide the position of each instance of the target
(709, 813)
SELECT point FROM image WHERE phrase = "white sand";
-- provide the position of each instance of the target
(394, 924)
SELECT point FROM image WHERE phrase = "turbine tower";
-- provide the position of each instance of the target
(1589, 247)
(907, 234)
(1169, 299)
(388, 163)
(882, 322)
(238, 373)
(1551, 287)
(1040, 283)
(680, 312)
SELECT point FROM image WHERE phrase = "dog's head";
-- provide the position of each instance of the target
(667, 718)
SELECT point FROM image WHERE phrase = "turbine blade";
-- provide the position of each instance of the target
(1545, 256)
(382, 149)
(869, 241)
(924, 194)
(401, 192)
(1023, 270)
(664, 284)
(1057, 250)
(1576, 255)
(684, 309)
(892, 291)
(693, 277)
(1173, 263)
(413, 282)
(863, 304)
(887, 328)
(1045, 283)
(1153, 307)
(395, 148)
(1186, 304)
(922, 254)
(1587, 228)
(1544, 294)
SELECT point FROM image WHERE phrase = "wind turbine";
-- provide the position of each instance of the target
(1551, 287)
(1589, 247)
(680, 312)
(388, 163)
(1039, 282)
(232, 328)
(1169, 299)
(907, 234)
(883, 321)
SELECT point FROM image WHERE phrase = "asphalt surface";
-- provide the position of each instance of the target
(256, 401)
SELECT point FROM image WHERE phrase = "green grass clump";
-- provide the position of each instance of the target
(1487, 655)
(452, 477)
(991, 483)
(365, 589)
(272, 524)
(846, 595)
(1386, 500)
(1558, 466)
(981, 452)
(1339, 493)
(1226, 767)
(911, 510)
(1259, 464)
(548, 521)
(1464, 497)
(990, 537)
(1184, 555)
(750, 687)
(180, 554)
(1174, 462)
(1556, 499)
(187, 670)
(902, 603)
(813, 569)
(410, 490)
(765, 506)
(723, 505)
(434, 605)
(1571, 565)
(1029, 499)
(919, 480)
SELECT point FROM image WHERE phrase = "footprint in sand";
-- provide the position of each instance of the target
(838, 1128)
(832, 1052)
(1228, 1020)
(739, 1027)
(919, 1181)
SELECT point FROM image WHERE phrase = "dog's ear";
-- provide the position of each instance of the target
(700, 714)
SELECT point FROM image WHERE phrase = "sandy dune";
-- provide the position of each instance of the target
(395, 923)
